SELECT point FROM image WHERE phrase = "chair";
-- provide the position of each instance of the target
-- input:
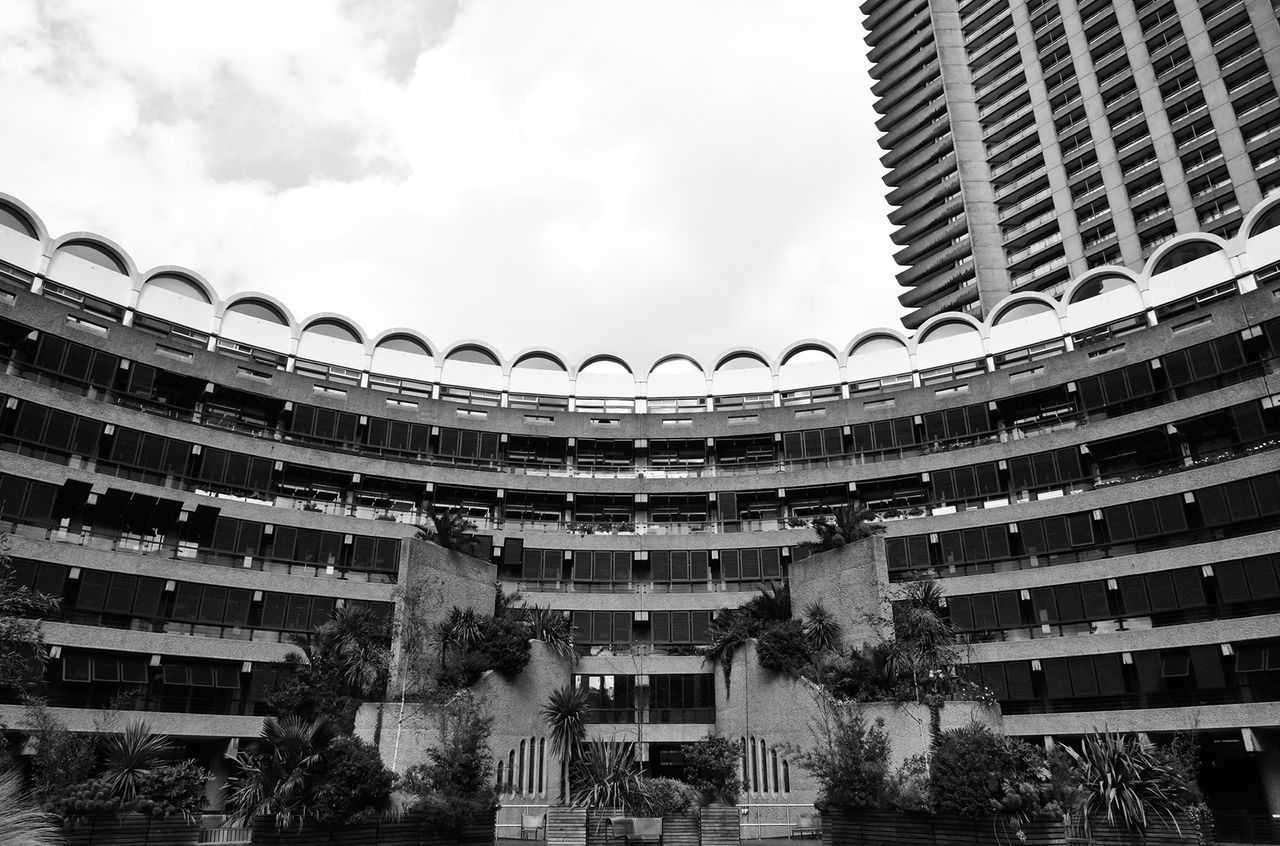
(531, 824)
(645, 830)
(618, 828)
(808, 825)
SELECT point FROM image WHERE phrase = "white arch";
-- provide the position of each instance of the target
(275, 334)
(604, 375)
(463, 366)
(808, 364)
(757, 379)
(405, 354)
(1103, 295)
(677, 375)
(526, 379)
(1262, 248)
(878, 353)
(113, 284)
(1167, 283)
(22, 249)
(939, 344)
(180, 296)
(346, 347)
(1022, 320)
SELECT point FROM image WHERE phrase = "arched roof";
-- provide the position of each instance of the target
(251, 297)
(868, 335)
(98, 242)
(387, 335)
(599, 358)
(459, 349)
(1171, 254)
(794, 349)
(1085, 286)
(742, 353)
(670, 358)
(352, 331)
(529, 353)
(190, 277)
(1263, 217)
(1027, 304)
(938, 321)
(32, 225)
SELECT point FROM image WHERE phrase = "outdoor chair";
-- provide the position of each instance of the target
(531, 824)
(808, 825)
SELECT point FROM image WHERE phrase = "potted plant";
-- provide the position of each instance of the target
(711, 768)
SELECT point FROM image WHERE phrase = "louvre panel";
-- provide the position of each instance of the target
(1133, 592)
(1147, 667)
(419, 438)
(186, 603)
(1229, 353)
(812, 443)
(957, 425)
(966, 483)
(1032, 534)
(1044, 605)
(581, 626)
(213, 467)
(1173, 517)
(1093, 596)
(961, 611)
(57, 433)
(1080, 529)
(833, 441)
(346, 428)
(307, 547)
(988, 479)
(771, 562)
(1091, 395)
(1045, 469)
(1232, 584)
(1110, 673)
(862, 437)
(997, 542)
(147, 597)
(259, 474)
(93, 590)
(1018, 678)
(1139, 379)
(1115, 387)
(103, 369)
(882, 434)
(681, 627)
(1083, 680)
(1055, 534)
(1201, 359)
(918, 552)
(1057, 679)
(1068, 461)
(952, 547)
(78, 363)
(1248, 423)
(601, 626)
(330, 547)
(1008, 609)
(120, 594)
(934, 428)
(1267, 489)
(1070, 605)
(1206, 663)
(622, 627)
(1240, 500)
(660, 566)
(1145, 522)
(125, 448)
(531, 566)
(1119, 526)
(449, 441)
(237, 607)
(273, 610)
(1262, 576)
(50, 579)
(679, 566)
(213, 605)
(904, 433)
(731, 564)
(386, 553)
(792, 446)
(1189, 588)
(984, 612)
(552, 561)
(974, 542)
(699, 566)
(895, 553)
(944, 485)
(303, 421)
(39, 505)
(622, 567)
(700, 626)
(1160, 590)
(1213, 506)
(751, 564)
(298, 614)
(237, 471)
(993, 678)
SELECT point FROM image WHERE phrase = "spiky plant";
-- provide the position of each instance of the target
(451, 530)
(846, 524)
(565, 715)
(1124, 783)
(607, 775)
(551, 627)
(822, 630)
(277, 769)
(129, 756)
(21, 822)
(460, 630)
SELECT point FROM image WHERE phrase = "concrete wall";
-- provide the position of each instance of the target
(850, 582)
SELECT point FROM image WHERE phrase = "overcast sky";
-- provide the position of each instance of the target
(639, 177)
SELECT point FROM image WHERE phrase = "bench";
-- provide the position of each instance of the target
(631, 830)
(808, 825)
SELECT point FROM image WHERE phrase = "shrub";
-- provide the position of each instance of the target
(21, 823)
(907, 788)
(455, 784)
(161, 792)
(711, 768)
(351, 784)
(1125, 783)
(977, 773)
(62, 758)
(784, 648)
(504, 643)
(850, 759)
(664, 797)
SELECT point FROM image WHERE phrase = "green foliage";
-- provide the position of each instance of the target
(130, 756)
(606, 774)
(276, 772)
(21, 822)
(733, 627)
(822, 630)
(850, 758)
(22, 650)
(456, 782)
(468, 644)
(783, 648)
(977, 773)
(550, 626)
(62, 758)
(907, 788)
(711, 768)
(664, 797)
(351, 784)
(1124, 783)
(565, 716)
(451, 530)
(504, 644)
(847, 524)
(160, 792)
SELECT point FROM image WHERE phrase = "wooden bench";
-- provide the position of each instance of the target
(632, 830)
(808, 825)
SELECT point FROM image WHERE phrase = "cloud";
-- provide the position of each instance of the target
(578, 175)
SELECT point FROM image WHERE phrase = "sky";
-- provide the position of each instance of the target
(633, 177)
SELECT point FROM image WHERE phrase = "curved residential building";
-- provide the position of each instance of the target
(1030, 141)
(1092, 475)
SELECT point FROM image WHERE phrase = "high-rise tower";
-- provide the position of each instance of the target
(1029, 140)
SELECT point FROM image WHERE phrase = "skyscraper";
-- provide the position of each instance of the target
(1031, 140)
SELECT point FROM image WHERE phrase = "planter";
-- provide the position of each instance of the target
(566, 826)
(409, 830)
(680, 831)
(852, 826)
(132, 830)
(596, 829)
(1159, 833)
(720, 826)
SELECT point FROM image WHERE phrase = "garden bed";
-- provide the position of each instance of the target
(410, 830)
(857, 826)
(131, 830)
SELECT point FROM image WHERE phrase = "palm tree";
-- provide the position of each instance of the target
(565, 716)
(451, 530)
(822, 630)
(847, 524)
(275, 771)
(551, 627)
(129, 756)
(351, 646)
(459, 630)
(21, 822)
